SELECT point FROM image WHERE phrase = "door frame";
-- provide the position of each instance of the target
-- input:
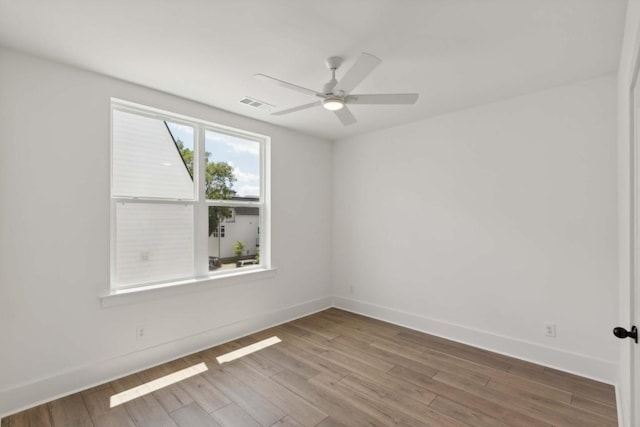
(633, 296)
(629, 228)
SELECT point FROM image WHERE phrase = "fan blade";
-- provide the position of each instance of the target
(383, 98)
(286, 84)
(345, 116)
(298, 108)
(361, 69)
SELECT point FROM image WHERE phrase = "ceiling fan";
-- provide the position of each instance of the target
(336, 95)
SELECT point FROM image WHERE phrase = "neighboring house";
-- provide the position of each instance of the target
(243, 225)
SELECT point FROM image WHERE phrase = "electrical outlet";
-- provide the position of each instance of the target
(351, 289)
(550, 330)
(140, 333)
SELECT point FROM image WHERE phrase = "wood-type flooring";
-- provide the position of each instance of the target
(336, 368)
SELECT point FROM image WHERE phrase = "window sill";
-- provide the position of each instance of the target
(144, 293)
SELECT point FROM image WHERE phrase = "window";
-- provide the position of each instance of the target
(218, 231)
(187, 196)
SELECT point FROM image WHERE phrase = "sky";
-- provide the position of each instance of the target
(242, 154)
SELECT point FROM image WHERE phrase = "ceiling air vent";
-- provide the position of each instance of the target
(260, 105)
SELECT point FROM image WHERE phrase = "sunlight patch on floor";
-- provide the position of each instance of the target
(236, 354)
(151, 386)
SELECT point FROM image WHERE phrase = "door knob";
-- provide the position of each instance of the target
(621, 332)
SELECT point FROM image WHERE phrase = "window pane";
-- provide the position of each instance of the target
(154, 242)
(233, 166)
(151, 157)
(234, 237)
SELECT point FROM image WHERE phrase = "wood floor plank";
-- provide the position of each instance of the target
(549, 411)
(263, 365)
(233, 416)
(339, 409)
(584, 382)
(480, 356)
(321, 345)
(171, 397)
(464, 414)
(317, 326)
(213, 352)
(95, 388)
(287, 422)
(292, 329)
(352, 364)
(409, 400)
(310, 342)
(304, 412)
(70, 411)
(40, 416)
(498, 410)
(377, 409)
(337, 368)
(308, 353)
(301, 366)
(395, 344)
(252, 402)
(420, 362)
(375, 327)
(204, 393)
(102, 414)
(146, 411)
(595, 406)
(35, 417)
(472, 370)
(126, 383)
(396, 356)
(583, 387)
(586, 387)
(193, 415)
(331, 422)
(297, 359)
(529, 391)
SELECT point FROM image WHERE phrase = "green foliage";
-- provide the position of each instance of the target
(238, 248)
(219, 180)
(187, 156)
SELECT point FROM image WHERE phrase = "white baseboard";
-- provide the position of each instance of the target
(585, 366)
(619, 406)
(25, 396)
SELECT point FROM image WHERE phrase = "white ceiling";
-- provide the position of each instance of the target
(455, 53)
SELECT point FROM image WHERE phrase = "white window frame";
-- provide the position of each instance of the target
(200, 204)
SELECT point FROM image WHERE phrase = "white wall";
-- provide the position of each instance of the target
(484, 224)
(54, 238)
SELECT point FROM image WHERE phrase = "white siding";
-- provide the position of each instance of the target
(244, 228)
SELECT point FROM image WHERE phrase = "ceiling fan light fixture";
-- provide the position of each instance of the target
(333, 104)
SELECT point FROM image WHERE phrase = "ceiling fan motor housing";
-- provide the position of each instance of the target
(327, 89)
